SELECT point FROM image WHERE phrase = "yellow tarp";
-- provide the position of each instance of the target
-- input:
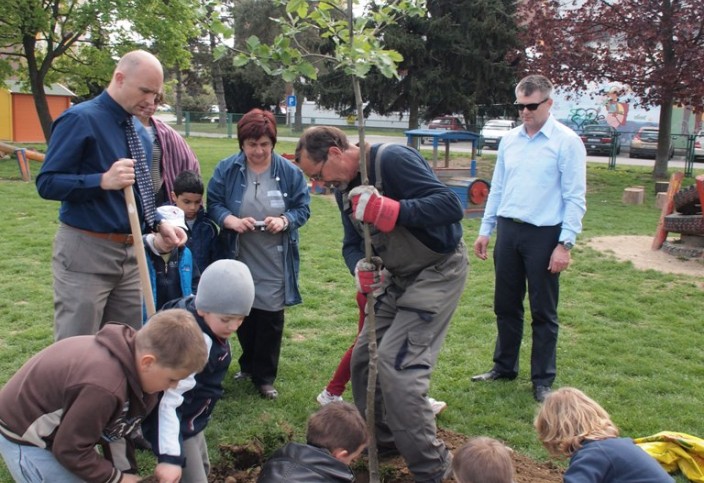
(676, 451)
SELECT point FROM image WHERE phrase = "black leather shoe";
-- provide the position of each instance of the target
(492, 375)
(541, 392)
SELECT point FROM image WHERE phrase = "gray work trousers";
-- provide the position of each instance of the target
(95, 281)
(412, 318)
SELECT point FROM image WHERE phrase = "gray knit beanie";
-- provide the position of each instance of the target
(226, 287)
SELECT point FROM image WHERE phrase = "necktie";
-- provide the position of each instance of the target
(144, 180)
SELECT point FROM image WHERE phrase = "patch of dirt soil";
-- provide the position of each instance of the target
(636, 249)
(242, 464)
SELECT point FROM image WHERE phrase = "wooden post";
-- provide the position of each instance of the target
(633, 196)
(667, 209)
(660, 200)
(23, 163)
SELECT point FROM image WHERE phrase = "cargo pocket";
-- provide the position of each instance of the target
(415, 352)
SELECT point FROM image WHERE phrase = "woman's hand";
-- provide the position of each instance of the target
(276, 224)
(240, 225)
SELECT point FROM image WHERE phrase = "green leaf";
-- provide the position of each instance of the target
(253, 42)
(241, 60)
(308, 70)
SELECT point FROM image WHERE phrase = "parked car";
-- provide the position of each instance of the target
(699, 147)
(163, 108)
(448, 123)
(645, 144)
(600, 138)
(494, 130)
(571, 124)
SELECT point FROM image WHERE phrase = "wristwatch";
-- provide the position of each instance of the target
(567, 244)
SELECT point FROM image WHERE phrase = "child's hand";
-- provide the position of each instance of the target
(167, 473)
(175, 235)
(126, 478)
(163, 245)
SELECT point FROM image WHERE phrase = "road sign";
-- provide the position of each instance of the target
(291, 101)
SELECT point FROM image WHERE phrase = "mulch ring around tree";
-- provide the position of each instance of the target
(242, 464)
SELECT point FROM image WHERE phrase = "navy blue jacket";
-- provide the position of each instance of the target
(203, 241)
(614, 460)
(173, 280)
(198, 403)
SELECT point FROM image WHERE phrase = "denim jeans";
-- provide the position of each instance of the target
(30, 464)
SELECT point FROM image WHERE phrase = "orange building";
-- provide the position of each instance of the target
(19, 121)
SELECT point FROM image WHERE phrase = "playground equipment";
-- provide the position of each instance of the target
(682, 213)
(23, 156)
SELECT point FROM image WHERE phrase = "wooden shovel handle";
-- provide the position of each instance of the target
(139, 250)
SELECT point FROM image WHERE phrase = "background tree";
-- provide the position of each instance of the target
(36, 35)
(453, 60)
(654, 46)
(250, 86)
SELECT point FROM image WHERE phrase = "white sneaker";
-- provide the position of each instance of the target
(437, 406)
(326, 398)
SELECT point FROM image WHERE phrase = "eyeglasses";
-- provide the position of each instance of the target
(531, 107)
(319, 175)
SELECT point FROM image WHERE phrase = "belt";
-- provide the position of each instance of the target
(515, 220)
(122, 238)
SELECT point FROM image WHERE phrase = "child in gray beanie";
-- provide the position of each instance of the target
(224, 298)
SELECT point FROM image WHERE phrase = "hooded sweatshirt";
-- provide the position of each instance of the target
(74, 394)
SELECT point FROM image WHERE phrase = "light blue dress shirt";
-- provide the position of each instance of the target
(539, 180)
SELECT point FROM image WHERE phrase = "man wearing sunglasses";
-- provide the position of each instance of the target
(536, 205)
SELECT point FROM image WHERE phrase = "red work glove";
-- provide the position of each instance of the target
(370, 207)
(368, 275)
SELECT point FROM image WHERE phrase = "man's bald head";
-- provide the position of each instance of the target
(136, 81)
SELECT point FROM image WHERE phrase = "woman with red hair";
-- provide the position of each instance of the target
(260, 200)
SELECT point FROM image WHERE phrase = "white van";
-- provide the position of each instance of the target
(494, 130)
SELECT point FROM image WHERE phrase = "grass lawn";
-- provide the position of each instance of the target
(630, 339)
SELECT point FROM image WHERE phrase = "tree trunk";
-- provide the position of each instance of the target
(179, 95)
(36, 82)
(664, 141)
(218, 84)
(41, 105)
(669, 67)
(413, 110)
(370, 321)
(298, 118)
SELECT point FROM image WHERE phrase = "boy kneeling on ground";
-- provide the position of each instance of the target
(337, 434)
(92, 389)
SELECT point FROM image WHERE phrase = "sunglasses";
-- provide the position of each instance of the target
(531, 107)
